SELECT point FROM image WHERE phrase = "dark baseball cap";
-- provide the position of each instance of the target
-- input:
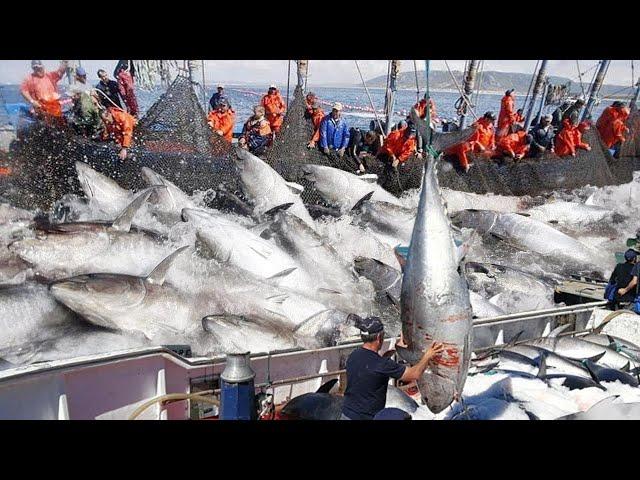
(392, 414)
(369, 325)
(630, 254)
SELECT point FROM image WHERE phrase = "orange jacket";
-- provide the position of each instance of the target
(421, 108)
(260, 127)
(609, 130)
(461, 150)
(274, 106)
(485, 133)
(507, 115)
(45, 91)
(222, 121)
(316, 118)
(121, 129)
(514, 144)
(569, 138)
(396, 144)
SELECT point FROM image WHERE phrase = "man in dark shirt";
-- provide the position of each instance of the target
(109, 91)
(368, 373)
(627, 274)
(218, 97)
(542, 138)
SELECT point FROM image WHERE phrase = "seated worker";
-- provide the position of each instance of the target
(119, 126)
(399, 146)
(274, 108)
(368, 373)
(569, 139)
(222, 119)
(334, 132)
(40, 89)
(256, 132)
(623, 275)
(573, 111)
(516, 144)
(316, 116)
(310, 99)
(84, 116)
(542, 138)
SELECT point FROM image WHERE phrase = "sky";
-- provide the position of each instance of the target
(327, 72)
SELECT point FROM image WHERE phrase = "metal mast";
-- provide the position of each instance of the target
(595, 88)
(390, 97)
(537, 87)
(469, 83)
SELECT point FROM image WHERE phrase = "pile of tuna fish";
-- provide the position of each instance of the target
(118, 269)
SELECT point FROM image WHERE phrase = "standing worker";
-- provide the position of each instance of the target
(109, 91)
(124, 74)
(316, 115)
(40, 89)
(217, 97)
(274, 108)
(334, 132)
(507, 115)
(368, 373)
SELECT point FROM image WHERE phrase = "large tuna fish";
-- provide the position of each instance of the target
(344, 189)
(170, 200)
(435, 300)
(102, 192)
(267, 189)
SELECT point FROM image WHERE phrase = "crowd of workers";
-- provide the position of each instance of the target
(105, 111)
(109, 110)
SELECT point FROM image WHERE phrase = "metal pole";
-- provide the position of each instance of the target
(634, 101)
(544, 96)
(288, 81)
(595, 88)
(469, 83)
(427, 65)
(540, 82)
(303, 68)
(391, 94)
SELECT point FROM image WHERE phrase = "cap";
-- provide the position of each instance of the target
(337, 106)
(630, 254)
(272, 86)
(36, 63)
(490, 115)
(223, 103)
(617, 104)
(369, 325)
(81, 72)
(510, 91)
(547, 117)
(220, 85)
(392, 414)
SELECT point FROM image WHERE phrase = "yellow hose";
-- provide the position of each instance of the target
(174, 397)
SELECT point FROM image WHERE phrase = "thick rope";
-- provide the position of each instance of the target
(364, 84)
(462, 94)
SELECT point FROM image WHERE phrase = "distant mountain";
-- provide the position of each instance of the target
(491, 81)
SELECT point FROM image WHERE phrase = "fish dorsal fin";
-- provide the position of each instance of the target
(310, 320)
(282, 274)
(499, 338)
(326, 387)
(556, 331)
(157, 276)
(515, 338)
(122, 223)
(362, 201)
(542, 366)
(522, 214)
(590, 200)
(626, 367)
(604, 403)
(369, 177)
(402, 261)
(280, 208)
(595, 358)
(294, 187)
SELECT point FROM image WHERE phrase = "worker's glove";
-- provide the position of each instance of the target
(311, 145)
(341, 152)
(122, 154)
(395, 164)
(325, 150)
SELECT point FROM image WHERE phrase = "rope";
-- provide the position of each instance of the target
(105, 96)
(584, 94)
(364, 84)
(415, 71)
(462, 94)
(533, 76)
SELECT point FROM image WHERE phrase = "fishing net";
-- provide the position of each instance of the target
(630, 150)
(173, 139)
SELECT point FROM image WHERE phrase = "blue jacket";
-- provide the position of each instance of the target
(334, 134)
